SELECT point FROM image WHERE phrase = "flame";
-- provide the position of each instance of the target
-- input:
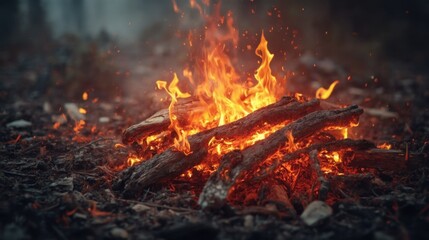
(323, 93)
(345, 132)
(222, 96)
(132, 160)
(386, 146)
(217, 87)
(291, 143)
(180, 142)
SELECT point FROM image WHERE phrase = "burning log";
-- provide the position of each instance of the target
(237, 164)
(324, 183)
(395, 160)
(171, 163)
(159, 121)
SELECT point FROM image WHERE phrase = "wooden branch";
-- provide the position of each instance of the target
(171, 163)
(237, 164)
(324, 183)
(395, 160)
(160, 121)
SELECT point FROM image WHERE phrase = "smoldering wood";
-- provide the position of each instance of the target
(276, 194)
(395, 160)
(335, 145)
(323, 182)
(171, 163)
(236, 164)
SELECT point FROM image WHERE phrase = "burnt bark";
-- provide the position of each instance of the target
(237, 164)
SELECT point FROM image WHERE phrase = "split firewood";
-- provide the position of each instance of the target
(171, 163)
(237, 164)
(324, 183)
(160, 121)
(395, 160)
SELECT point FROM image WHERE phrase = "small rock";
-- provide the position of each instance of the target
(47, 108)
(141, 207)
(119, 233)
(104, 119)
(248, 221)
(19, 124)
(315, 212)
(80, 216)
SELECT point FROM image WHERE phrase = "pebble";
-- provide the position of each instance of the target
(19, 124)
(141, 207)
(315, 212)
(104, 119)
(119, 233)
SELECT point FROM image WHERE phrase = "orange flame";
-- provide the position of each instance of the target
(384, 146)
(219, 90)
(323, 93)
(345, 132)
(222, 96)
(180, 143)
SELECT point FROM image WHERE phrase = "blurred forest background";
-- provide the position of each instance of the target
(115, 48)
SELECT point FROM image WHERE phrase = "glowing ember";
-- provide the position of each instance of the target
(384, 146)
(84, 96)
(82, 110)
(79, 126)
(345, 132)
